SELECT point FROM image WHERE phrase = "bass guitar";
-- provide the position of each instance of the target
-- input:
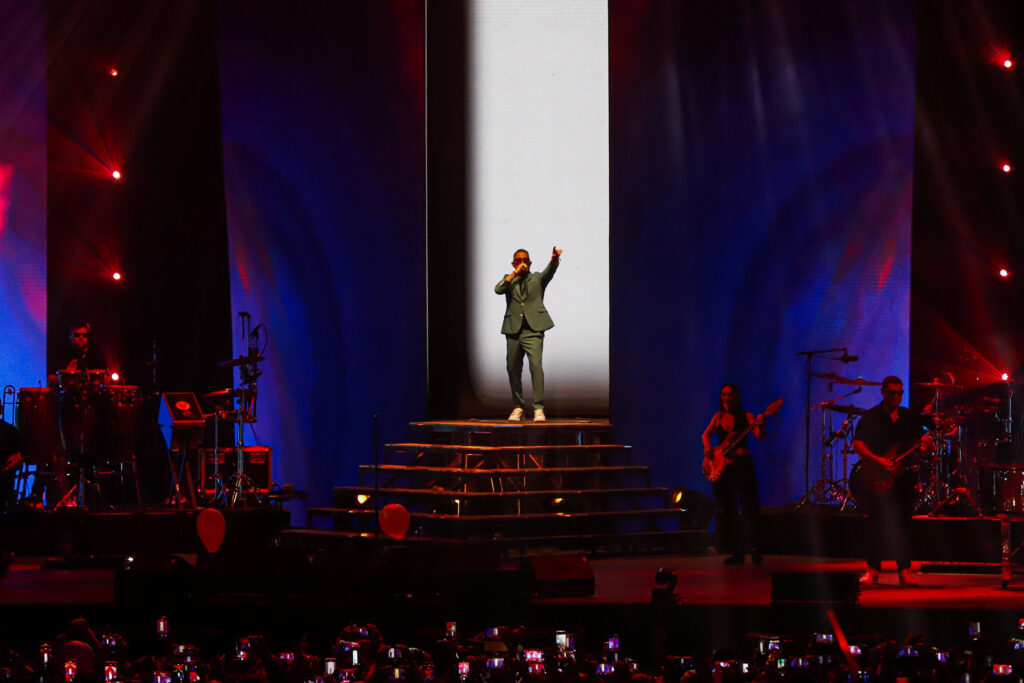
(724, 453)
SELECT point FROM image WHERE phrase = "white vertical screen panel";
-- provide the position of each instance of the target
(538, 178)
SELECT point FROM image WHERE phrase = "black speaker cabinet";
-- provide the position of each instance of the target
(257, 463)
(556, 576)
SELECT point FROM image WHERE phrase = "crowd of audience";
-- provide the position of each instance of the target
(502, 655)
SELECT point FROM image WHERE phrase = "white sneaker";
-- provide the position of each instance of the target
(516, 415)
(870, 577)
(538, 415)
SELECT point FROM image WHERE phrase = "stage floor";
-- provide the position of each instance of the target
(704, 580)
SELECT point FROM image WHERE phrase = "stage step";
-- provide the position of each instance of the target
(501, 432)
(510, 471)
(509, 502)
(562, 483)
(490, 526)
(514, 448)
(392, 492)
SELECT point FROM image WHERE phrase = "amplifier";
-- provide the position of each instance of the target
(257, 463)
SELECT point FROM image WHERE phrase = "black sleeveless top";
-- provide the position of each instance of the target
(739, 425)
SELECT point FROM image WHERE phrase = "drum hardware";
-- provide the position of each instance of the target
(939, 385)
(960, 493)
(832, 486)
(78, 426)
(848, 410)
(223, 406)
(8, 391)
(240, 485)
(9, 399)
(833, 378)
(808, 357)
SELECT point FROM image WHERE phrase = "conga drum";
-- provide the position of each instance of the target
(36, 419)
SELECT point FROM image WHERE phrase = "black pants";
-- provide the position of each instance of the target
(889, 513)
(738, 483)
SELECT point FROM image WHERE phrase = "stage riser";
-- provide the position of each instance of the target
(456, 481)
(80, 533)
(525, 479)
(514, 434)
(515, 527)
(939, 539)
(573, 500)
(512, 460)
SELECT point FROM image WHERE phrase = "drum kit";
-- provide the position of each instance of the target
(74, 433)
(84, 428)
(973, 457)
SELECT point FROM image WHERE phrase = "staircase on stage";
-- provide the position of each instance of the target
(517, 486)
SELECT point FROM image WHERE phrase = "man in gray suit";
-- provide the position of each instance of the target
(526, 319)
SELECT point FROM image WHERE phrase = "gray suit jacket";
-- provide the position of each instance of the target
(524, 300)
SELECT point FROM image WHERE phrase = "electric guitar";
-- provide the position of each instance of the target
(878, 479)
(724, 453)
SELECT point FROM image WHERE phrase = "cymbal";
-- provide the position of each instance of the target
(837, 379)
(935, 384)
(222, 394)
(847, 410)
(241, 360)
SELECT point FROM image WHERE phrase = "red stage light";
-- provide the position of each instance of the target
(116, 276)
(116, 175)
(1003, 272)
(1006, 167)
(114, 377)
(113, 73)
(1004, 376)
(1007, 63)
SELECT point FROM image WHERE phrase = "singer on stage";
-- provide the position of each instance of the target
(526, 319)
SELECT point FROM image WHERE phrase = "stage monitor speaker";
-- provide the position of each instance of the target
(560, 576)
(181, 420)
(257, 461)
(816, 587)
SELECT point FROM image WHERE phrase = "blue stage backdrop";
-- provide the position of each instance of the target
(762, 155)
(322, 115)
(22, 192)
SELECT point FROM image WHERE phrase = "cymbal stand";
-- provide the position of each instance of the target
(216, 481)
(828, 488)
(808, 357)
(958, 484)
(241, 485)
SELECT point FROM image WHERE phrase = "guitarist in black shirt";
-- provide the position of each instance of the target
(883, 485)
(737, 480)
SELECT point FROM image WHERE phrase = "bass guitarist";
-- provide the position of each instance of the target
(886, 438)
(737, 481)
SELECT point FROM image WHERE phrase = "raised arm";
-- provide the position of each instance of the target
(549, 270)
